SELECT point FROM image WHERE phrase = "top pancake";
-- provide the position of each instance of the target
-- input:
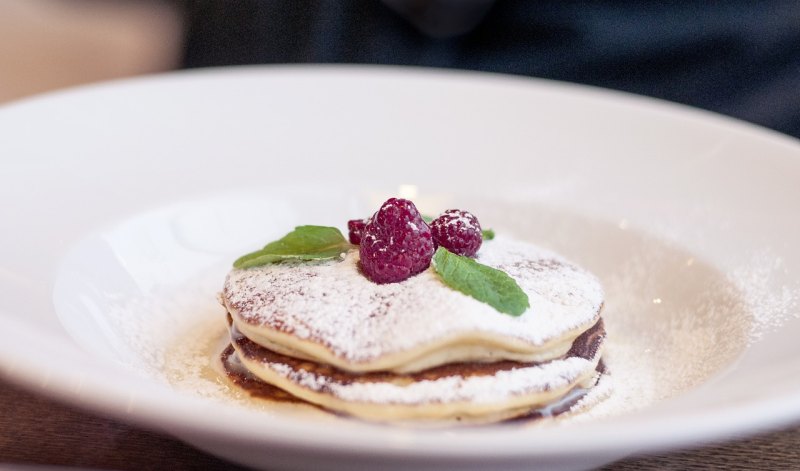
(329, 312)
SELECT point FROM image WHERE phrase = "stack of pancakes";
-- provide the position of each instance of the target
(323, 333)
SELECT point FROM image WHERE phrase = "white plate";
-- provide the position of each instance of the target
(125, 203)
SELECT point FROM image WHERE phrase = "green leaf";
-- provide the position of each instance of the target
(303, 243)
(427, 219)
(486, 284)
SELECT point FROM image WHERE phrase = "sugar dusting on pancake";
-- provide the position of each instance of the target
(304, 301)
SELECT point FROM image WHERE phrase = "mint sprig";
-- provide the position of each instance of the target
(484, 283)
(303, 243)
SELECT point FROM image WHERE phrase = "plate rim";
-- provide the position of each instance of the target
(717, 426)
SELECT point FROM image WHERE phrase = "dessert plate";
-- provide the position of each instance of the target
(125, 203)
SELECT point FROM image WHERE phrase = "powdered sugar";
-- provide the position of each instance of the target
(333, 304)
(463, 219)
(770, 302)
(700, 326)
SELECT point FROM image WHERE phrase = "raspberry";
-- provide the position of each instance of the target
(396, 244)
(355, 228)
(458, 231)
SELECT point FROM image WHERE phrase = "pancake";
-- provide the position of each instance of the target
(321, 333)
(244, 379)
(466, 391)
(328, 313)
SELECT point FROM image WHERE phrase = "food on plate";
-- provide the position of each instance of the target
(414, 321)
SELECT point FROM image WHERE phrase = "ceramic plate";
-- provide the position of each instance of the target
(125, 204)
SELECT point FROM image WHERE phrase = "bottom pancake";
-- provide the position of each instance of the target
(482, 392)
(238, 375)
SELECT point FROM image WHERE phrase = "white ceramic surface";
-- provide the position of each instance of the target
(125, 203)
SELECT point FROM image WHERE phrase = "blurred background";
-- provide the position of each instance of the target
(740, 58)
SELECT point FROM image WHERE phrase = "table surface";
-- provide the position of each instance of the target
(37, 430)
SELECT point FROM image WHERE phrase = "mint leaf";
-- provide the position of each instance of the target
(427, 219)
(303, 243)
(486, 284)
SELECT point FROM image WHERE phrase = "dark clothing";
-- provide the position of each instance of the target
(736, 57)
